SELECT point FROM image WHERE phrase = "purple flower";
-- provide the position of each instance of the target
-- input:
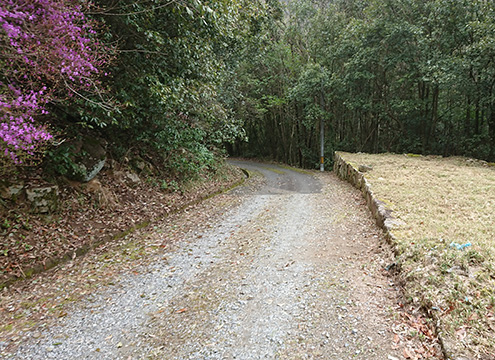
(52, 53)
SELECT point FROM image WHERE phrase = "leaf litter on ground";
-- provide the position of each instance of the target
(40, 300)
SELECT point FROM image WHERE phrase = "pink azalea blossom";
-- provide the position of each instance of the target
(48, 50)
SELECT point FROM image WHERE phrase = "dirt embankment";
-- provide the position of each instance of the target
(89, 214)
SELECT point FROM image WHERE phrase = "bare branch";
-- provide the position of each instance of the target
(104, 105)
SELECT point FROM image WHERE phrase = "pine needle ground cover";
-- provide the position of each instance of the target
(445, 243)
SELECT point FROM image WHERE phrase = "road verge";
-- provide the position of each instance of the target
(437, 214)
(73, 232)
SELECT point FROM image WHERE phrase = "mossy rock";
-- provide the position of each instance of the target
(43, 199)
(10, 190)
(88, 156)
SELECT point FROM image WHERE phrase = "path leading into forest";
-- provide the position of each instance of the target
(288, 268)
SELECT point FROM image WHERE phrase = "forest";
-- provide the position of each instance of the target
(182, 83)
(117, 116)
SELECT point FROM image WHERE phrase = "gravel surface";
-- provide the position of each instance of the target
(290, 269)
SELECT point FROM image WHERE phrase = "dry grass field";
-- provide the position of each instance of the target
(446, 241)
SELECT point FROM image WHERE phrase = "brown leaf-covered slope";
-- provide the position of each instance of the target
(116, 202)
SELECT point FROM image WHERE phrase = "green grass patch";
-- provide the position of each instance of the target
(443, 202)
(6, 328)
(301, 171)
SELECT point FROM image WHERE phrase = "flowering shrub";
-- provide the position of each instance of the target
(48, 51)
(19, 136)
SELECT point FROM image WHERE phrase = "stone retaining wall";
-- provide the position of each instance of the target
(383, 216)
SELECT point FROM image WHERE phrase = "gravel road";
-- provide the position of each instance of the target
(291, 268)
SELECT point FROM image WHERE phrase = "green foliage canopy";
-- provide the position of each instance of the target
(398, 76)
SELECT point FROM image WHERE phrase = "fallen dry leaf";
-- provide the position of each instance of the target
(461, 333)
(408, 355)
(396, 338)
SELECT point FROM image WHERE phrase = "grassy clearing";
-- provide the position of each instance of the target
(443, 201)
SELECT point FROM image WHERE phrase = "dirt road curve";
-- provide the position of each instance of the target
(290, 269)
